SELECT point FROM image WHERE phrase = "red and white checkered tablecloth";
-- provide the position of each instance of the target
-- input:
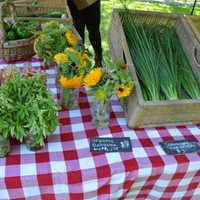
(66, 169)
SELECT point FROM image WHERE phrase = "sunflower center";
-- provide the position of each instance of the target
(121, 89)
(73, 64)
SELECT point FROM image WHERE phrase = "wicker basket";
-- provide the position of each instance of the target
(141, 113)
(26, 8)
(17, 49)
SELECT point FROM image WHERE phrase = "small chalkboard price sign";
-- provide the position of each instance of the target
(122, 144)
(180, 147)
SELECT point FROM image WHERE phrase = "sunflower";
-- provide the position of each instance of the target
(75, 82)
(84, 60)
(123, 90)
(60, 58)
(93, 77)
(71, 38)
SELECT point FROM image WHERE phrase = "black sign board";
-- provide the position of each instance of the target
(122, 144)
(180, 146)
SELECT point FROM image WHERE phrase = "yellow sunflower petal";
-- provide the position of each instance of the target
(75, 82)
(93, 77)
(61, 58)
(71, 38)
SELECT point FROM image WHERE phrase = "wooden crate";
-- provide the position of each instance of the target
(193, 23)
(141, 113)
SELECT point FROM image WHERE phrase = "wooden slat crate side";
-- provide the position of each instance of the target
(190, 21)
(194, 34)
(190, 44)
(142, 113)
(157, 115)
(120, 51)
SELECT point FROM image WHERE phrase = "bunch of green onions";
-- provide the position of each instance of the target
(160, 62)
(145, 59)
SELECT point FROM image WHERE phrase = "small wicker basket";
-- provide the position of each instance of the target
(27, 8)
(21, 49)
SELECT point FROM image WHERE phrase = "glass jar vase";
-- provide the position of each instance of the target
(69, 98)
(4, 146)
(32, 142)
(101, 114)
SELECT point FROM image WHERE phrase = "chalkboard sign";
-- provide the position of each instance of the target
(122, 144)
(180, 147)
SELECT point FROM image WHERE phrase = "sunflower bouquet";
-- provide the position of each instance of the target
(72, 67)
(104, 83)
(52, 39)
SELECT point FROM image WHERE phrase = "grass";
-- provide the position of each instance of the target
(108, 5)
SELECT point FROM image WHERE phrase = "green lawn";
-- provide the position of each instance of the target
(107, 7)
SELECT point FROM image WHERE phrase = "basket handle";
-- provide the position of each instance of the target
(11, 7)
(196, 59)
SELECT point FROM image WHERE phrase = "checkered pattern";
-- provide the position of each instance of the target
(66, 169)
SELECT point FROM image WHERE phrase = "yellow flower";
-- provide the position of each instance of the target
(84, 60)
(123, 90)
(100, 94)
(60, 58)
(75, 82)
(93, 77)
(71, 38)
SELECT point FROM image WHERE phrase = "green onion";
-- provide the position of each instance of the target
(143, 53)
(187, 77)
(168, 63)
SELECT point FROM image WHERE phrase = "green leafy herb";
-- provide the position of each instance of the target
(26, 106)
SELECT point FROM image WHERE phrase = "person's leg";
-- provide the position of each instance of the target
(92, 19)
(78, 19)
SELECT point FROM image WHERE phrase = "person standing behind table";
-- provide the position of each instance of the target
(87, 13)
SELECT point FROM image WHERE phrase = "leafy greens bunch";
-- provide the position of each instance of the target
(20, 30)
(26, 106)
(53, 39)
